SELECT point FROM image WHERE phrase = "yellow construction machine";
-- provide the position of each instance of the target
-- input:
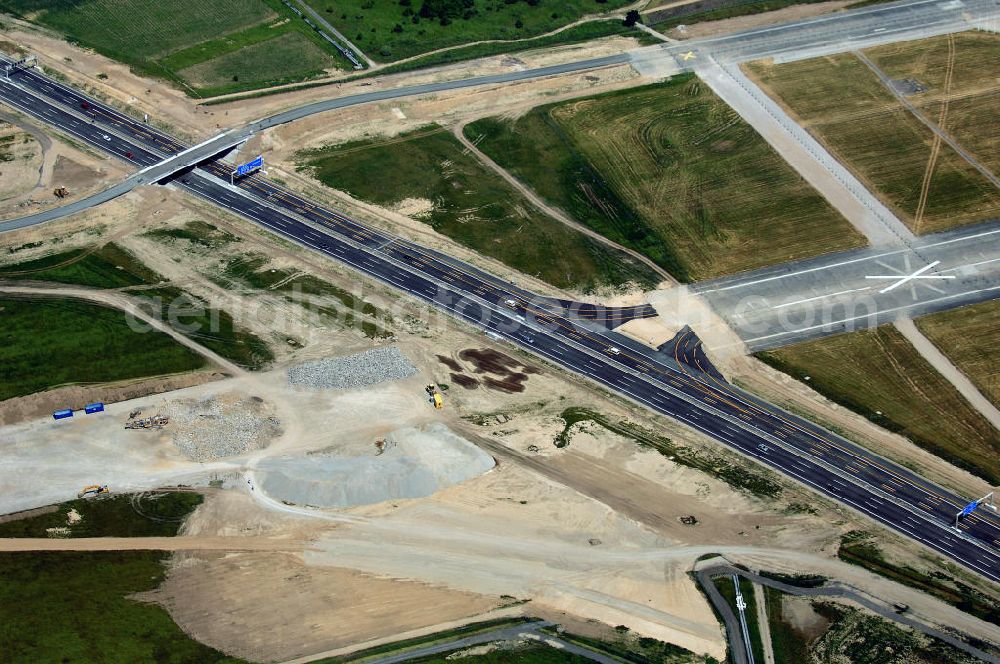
(93, 489)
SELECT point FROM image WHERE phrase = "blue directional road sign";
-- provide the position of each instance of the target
(250, 166)
(967, 510)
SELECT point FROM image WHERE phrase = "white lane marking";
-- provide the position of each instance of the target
(900, 279)
(964, 238)
(955, 269)
(831, 324)
(820, 297)
(806, 271)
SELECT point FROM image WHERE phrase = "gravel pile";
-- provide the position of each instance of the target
(417, 463)
(218, 428)
(368, 368)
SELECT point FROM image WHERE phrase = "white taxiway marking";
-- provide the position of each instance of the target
(902, 279)
(820, 297)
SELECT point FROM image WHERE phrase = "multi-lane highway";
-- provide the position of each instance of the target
(574, 338)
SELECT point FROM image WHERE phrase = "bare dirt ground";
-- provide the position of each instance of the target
(591, 531)
(44, 160)
(22, 170)
(173, 110)
(267, 607)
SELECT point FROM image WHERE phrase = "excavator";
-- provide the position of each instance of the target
(435, 396)
(93, 489)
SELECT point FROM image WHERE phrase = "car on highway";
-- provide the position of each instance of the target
(84, 105)
(128, 155)
(764, 449)
(614, 350)
(106, 137)
(511, 303)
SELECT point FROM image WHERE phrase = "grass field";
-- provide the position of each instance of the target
(110, 266)
(196, 232)
(671, 171)
(843, 103)
(472, 206)
(973, 91)
(258, 63)
(76, 607)
(970, 337)
(241, 44)
(52, 342)
(788, 643)
(333, 304)
(212, 328)
(107, 266)
(878, 374)
(388, 30)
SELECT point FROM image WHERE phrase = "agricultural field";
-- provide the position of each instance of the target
(958, 73)
(847, 108)
(51, 342)
(888, 382)
(72, 605)
(459, 198)
(206, 48)
(388, 30)
(671, 171)
(970, 337)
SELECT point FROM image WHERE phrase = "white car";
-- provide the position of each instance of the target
(511, 303)
(614, 350)
(105, 137)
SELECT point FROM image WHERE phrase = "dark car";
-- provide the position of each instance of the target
(85, 105)
(128, 155)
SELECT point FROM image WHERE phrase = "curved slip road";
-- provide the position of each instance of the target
(802, 451)
(828, 590)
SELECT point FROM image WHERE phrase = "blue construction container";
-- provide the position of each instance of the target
(62, 414)
(93, 408)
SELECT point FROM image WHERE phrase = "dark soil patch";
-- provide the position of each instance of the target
(512, 383)
(468, 382)
(488, 360)
(449, 362)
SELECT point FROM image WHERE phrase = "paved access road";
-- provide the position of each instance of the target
(578, 341)
(854, 290)
(883, 609)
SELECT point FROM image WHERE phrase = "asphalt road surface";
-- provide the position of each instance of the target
(578, 341)
(856, 290)
(884, 610)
